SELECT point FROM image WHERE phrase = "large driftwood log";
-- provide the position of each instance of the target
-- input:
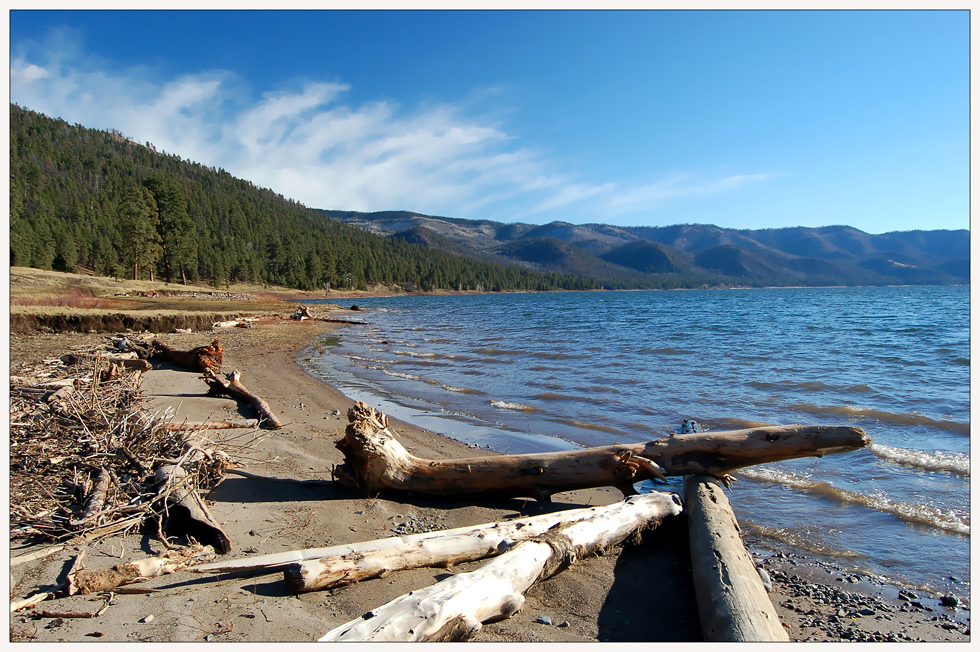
(232, 386)
(314, 569)
(201, 358)
(374, 460)
(732, 602)
(455, 608)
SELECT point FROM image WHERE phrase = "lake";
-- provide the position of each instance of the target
(551, 371)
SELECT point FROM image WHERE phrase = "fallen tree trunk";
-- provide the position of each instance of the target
(105, 579)
(201, 358)
(732, 602)
(375, 461)
(232, 386)
(455, 608)
(314, 569)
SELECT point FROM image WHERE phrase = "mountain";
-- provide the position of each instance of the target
(691, 255)
(84, 198)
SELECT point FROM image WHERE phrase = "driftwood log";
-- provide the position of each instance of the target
(314, 569)
(201, 358)
(455, 608)
(232, 386)
(105, 579)
(732, 601)
(375, 461)
(185, 509)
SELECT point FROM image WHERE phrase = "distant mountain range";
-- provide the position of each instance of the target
(690, 255)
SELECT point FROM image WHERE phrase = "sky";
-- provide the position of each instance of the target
(742, 119)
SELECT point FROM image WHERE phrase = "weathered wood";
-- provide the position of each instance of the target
(232, 386)
(375, 461)
(210, 425)
(104, 579)
(452, 547)
(492, 534)
(96, 500)
(455, 608)
(732, 601)
(186, 511)
(201, 358)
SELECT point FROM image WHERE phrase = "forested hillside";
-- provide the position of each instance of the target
(83, 198)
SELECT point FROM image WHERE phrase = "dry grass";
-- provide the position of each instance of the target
(73, 297)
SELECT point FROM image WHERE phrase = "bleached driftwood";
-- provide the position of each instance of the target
(104, 579)
(210, 425)
(322, 568)
(455, 608)
(732, 602)
(232, 386)
(375, 461)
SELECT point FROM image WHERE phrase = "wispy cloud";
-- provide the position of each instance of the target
(680, 185)
(308, 144)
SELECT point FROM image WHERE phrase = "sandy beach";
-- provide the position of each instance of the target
(638, 592)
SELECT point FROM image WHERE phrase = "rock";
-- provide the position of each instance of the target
(949, 601)
(564, 623)
(867, 612)
(147, 619)
(544, 620)
(766, 580)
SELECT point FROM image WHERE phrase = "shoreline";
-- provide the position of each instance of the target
(596, 600)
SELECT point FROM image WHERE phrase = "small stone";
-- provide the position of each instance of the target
(359, 511)
(209, 638)
(564, 623)
(867, 612)
(544, 620)
(949, 601)
(147, 619)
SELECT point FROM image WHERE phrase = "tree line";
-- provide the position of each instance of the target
(92, 199)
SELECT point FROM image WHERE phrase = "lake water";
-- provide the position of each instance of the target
(540, 372)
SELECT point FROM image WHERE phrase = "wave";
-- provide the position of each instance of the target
(397, 374)
(552, 396)
(489, 350)
(810, 386)
(589, 426)
(902, 419)
(958, 463)
(665, 351)
(802, 539)
(415, 354)
(462, 390)
(506, 405)
(909, 512)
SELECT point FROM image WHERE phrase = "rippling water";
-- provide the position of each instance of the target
(525, 372)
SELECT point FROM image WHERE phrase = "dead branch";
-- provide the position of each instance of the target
(232, 386)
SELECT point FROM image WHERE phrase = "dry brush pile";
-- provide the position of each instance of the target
(83, 452)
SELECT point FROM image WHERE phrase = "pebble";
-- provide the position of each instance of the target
(544, 620)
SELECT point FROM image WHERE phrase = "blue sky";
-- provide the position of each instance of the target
(743, 119)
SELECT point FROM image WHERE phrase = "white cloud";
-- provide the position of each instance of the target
(674, 187)
(306, 144)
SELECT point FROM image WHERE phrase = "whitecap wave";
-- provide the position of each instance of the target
(919, 513)
(958, 463)
(507, 405)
